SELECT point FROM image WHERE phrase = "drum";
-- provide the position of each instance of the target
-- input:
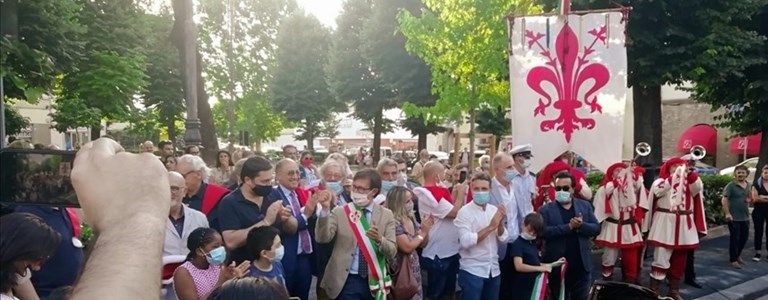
(609, 290)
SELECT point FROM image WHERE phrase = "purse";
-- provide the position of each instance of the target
(406, 285)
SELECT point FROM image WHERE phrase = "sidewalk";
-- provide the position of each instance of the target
(718, 279)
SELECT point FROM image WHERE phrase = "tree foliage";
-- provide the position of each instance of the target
(111, 71)
(739, 93)
(253, 115)
(298, 88)
(493, 121)
(164, 91)
(464, 42)
(238, 42)
(404, 73)
(351, 75)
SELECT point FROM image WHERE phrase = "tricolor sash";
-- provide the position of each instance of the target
(540, 286)
(378, 280)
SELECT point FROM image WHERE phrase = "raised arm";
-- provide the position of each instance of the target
(129, 215)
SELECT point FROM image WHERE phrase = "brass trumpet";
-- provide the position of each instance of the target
(698, 152)
(642, 149)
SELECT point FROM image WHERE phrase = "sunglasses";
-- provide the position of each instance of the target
(562, 188)
(308, 158)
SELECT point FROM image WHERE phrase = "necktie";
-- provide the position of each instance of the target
(306, 241)
(362, 266)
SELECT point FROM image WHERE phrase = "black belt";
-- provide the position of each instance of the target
(622, 222)
(677, 212)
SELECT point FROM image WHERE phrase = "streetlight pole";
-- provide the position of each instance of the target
(192, 123)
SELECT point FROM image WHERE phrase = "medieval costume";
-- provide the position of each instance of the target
(677, 222)
(620, 205)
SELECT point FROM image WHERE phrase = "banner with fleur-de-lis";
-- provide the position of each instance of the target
(568, 83)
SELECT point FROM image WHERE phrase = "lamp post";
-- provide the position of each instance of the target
(192, 123)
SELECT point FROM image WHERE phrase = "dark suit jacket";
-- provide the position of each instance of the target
(556, 229)
(289, 241)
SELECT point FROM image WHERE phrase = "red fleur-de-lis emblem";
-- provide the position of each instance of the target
(354, 216)
(569, 72)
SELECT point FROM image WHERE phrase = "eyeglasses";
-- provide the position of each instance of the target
(293, 173)
(186, 174)
(308, 158)
(358, 189)
(562, 188)
(175, 189)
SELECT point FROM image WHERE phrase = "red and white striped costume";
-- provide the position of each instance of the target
(620, 205)
(677, 219)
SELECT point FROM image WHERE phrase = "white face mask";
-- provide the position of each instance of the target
(360, 200)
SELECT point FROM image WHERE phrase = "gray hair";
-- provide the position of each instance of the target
(343, 162)
(196, 163)
(330, 164)
(386, 162)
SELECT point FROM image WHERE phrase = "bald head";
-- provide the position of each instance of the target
(432, 172)
(148, 147)
(178, 188)
(287, 173)
(502, 162)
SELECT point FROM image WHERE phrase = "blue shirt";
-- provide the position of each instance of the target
(62, 268)
(276, 273)
(523, 282)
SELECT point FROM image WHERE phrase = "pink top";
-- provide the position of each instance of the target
(205, 280)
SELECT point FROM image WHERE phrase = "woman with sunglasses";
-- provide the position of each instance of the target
(205, 268)
(308, 170)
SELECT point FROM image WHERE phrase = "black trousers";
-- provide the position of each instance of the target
(760, 220)
(690, 273)
(739, 231)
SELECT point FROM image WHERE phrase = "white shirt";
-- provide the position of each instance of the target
(290, 196)
(479, 258)
(516, 211)
(443, 236)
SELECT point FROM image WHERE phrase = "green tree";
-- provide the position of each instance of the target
(14, 121)
(668, 40)
(298, 88)
(493, 121)
(253, 115)
(404, 73)
(351, 76)
(465, 44)
(112, 71)
(238, 38)
(164, 91)
(740, 96)
(330, 127)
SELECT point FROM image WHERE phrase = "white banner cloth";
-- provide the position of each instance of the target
(568, 84)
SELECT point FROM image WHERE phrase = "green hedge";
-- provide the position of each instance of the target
(713, 188)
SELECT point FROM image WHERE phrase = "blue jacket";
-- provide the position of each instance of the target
(555, 230)
(289, 241)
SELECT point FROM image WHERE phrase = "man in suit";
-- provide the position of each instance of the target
(298, 244)
(357, 269)
(569, 224)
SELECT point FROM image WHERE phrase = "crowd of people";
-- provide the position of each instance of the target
(247, 228)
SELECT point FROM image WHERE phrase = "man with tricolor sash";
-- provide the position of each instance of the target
(363, 236)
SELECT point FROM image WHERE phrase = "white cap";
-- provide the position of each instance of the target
(521, 149)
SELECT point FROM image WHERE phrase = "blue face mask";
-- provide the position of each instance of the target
(509, 175)
(217, 256)
(563, 196)
(526, 164)
(387, 185)
(279, 253)
(481, 198)
(335, 186)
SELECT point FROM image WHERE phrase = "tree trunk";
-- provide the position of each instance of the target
(95, 132)
(172, 131)
(763, 158)
(310, 133)
(647, 107)
(422, 144)
(472, 124)
(207, 129)
(377, 128)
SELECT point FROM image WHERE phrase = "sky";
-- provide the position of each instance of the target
(325, 10)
